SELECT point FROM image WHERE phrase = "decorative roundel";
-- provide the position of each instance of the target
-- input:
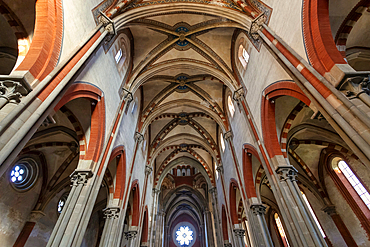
(62, 202)
(184, 234)
(23, 174)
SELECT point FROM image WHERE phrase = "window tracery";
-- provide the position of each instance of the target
(243, 56)
(23, 174)
(231, 106)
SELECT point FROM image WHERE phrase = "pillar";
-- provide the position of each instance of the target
(216, 216)
(130, 236)
(239, 236)
(154, 218)
(66, 228)
(111, 215)
(159, 229)
(261, 235)
(211, 241)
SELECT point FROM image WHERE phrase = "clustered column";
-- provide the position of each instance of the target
(111, 214)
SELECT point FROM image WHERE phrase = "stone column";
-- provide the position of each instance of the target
(154, 221)
(130, 236)
(111, 215)
(239, 236)
(216, 217)
(66, 227)
(159, 229)
(305, 229)
(211, 241)
(261, 235)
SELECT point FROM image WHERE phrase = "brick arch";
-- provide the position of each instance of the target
(46, 44)
(93, 93)
(272, 92)
(320, 46)
(225, 232)
(119, 154)
(348, 24)
(232, 198)
(248, 151)
(135, 203)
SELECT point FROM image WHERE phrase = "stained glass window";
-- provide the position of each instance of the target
(184, 235)
(231, 106)
(222, 142)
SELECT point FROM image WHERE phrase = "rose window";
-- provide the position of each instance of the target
(184, 235)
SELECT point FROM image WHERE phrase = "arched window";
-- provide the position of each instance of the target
(340, 166)
(243, 56)
(281, 230)
(222, 142)
(230, 104)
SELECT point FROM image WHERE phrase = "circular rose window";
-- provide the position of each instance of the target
(184, 234)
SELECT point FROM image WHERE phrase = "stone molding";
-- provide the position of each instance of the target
(80, 176)
(111, 212)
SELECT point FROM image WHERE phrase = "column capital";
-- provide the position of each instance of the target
(227, 245)
(108, 25)
(80, 176)
(36, 215)
(228, 135)
(130, 235)
(355, 85)
(148, 170)
(138, 137)
(220, 169)
(258, 209)
(238, 94)
(287, 172)
(239, 232)
(111, 212)
(257, 25)
(12, 91)
(156, 191)
(330, 209)
(213, 190)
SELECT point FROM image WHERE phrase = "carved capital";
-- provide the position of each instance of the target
(12, 91)
(287, 172)
(238, 94)
(227, 245)
(148, 170)
(138, 137)
(213, 190)
(111, 212)
(108, 26)
(258, 209)
(239, 232)
(257, 25)
(353, 86)
(36, 215)
(330, 210)
(130, 235)
(80, 177)
(128, 96)
(156, 191)
(220, 169)
(228, 135)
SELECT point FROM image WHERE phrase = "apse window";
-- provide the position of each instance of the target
(222, 142)
(281, 230)
(23, 174)
(118, 56)
(184, 236)
(354, 181)
(230, 104)
(243, 56)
